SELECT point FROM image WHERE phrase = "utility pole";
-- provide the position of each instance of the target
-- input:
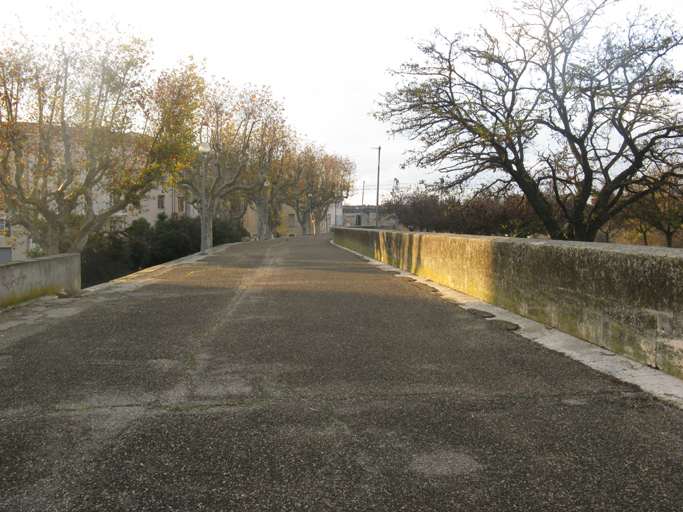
(362, 205)
(379, 151)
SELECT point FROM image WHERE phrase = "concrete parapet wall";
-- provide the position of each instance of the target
(24, 280)
(628, 299)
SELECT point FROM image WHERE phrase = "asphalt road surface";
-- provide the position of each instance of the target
(293, 375)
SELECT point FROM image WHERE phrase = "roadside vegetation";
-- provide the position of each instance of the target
(656, 219)
(112, 254)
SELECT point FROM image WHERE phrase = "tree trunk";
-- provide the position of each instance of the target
(209, 229)
(50, 241)
(208, 223)
(301, 218)
(210, 214)
(538, 203)
(261, 219)
(669, 239)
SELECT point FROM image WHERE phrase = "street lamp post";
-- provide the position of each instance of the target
(379, 151)
(310, 214)
(266, 184)
(204, 149)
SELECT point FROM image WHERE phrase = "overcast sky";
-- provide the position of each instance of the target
(327, 61)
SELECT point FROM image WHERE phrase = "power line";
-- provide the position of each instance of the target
(364, 152)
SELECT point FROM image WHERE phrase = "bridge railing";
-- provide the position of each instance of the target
(24, 280)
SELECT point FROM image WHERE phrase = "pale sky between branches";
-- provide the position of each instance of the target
(327, 61)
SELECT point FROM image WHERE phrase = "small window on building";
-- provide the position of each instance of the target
(291, 220)
(5, 225)
(5, 254)
(160, 201)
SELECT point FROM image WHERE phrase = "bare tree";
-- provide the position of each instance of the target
(416, 209)
(660, 210)
(422, 209)
(571, 117)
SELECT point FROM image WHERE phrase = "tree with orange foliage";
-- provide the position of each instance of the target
(309, 162)
(233, 122)
(273, 168)
(334, 183)
(84, 133)
(323, 179)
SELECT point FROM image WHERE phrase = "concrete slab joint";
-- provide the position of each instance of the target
(628, 299)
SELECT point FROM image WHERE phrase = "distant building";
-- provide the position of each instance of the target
(160, 200)
(15, 244)
(364, 217)
(289, 225)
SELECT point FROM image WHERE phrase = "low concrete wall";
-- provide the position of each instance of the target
(628, 299)
(24, 280)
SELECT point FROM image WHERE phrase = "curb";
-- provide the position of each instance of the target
(662, 385)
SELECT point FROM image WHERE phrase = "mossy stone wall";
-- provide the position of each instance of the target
(628, 299)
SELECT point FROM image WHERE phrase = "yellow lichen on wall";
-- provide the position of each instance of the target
(628, 299)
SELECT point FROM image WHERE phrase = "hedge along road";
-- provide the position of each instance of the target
(290, 374)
